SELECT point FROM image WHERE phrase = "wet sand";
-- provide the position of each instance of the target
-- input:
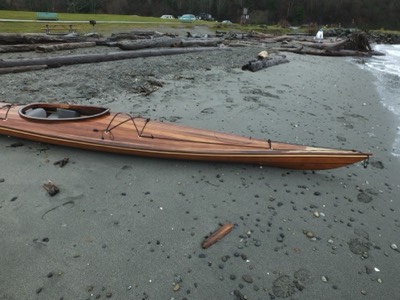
(131, 228)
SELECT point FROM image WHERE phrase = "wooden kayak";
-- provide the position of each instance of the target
(96, 128)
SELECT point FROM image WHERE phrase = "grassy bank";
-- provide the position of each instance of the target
(112, 23)
(107, 23)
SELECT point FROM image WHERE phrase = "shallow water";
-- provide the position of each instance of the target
(387, 71)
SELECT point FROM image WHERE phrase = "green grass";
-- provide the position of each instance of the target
(29, 15)
(35, 27)
(13, 14)
(104, 29)
(386, 31)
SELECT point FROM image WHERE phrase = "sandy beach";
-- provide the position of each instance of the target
(131, 228)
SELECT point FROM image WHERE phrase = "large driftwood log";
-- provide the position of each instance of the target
(324, 52)
(134, 35)
(95, 58)
(161, 42)
(22, 69)
(64, 46)
(17, 48)
(327, 45)
(167, 42)
(285, 38)
(35, 38)
(258, 64)
(44, 47)
(202, 42)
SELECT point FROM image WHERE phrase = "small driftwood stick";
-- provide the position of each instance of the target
(217, 235)
(51, 188)
(62, 162)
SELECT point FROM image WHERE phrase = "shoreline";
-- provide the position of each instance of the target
(386, 82)
(131, 228)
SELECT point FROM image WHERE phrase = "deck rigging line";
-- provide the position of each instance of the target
(8, 107)
(139, 132)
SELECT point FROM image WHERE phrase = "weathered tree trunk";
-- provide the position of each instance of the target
(34, 38)
(207, 42)
(17, 48)
(325, 45)
(258, 64)
(167, 42)
(284, 38)
(95, 58)
(22, 69)
(324, 52)
(64, 46)
(134, 35)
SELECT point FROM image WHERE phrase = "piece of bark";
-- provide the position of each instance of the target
(95, 58)
(62, 162)
(217, 235)
(64, 46)
(22, 69)
(258, 64)
(51, 188)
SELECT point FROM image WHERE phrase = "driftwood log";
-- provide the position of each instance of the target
(148, 43)
(36, 38)
(17, 48)
(135, 35)
(64, 46)
(356, 44)
(44, 47)
(22, 69)
(168, 42)
(326, 52)
(258, 64)
(325, 45)
(95, 58)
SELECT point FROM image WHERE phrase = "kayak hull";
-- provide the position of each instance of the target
(100, 130)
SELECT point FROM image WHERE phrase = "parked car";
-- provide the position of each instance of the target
(187, 18)
(206, 17)
(167, 17)
(226, 22)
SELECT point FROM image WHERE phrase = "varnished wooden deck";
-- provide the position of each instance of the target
(121, 133)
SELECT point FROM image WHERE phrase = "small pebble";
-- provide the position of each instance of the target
(309, 234)
(364, 292)
(247, 278)
(324, 279)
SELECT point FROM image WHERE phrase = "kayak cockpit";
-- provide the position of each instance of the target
(61, 112)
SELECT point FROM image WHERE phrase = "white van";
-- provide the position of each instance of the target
(167, 17)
